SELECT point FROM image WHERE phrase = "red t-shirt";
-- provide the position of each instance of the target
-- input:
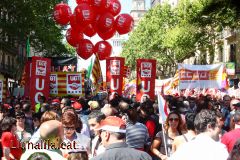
(230, 138)
(151, 128)
(10, 140)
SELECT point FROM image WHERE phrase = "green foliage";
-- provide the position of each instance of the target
(146, 40)
(171, 35)
(34, 19)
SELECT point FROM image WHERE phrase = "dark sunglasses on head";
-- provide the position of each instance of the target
(174, 119)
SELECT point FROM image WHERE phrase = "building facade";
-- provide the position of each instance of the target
(226, 47)
(173, 3)
(138, 10)
(12, 56)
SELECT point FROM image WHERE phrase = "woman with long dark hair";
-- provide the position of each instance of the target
(172, 129)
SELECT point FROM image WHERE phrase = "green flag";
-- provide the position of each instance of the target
(90, 69)
(28, 48)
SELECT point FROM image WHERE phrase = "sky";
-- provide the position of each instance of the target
(126, 5)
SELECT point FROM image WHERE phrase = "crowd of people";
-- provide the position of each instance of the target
(115, 127)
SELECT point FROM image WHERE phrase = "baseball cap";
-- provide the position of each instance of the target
(77, 106)
(56, 101)
(73, 100)
(112, 124)
(7, 106)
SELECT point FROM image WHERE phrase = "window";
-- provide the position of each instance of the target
(117, 35)
(117, 43)
(139, 5)
(221, 53)
(232, 55)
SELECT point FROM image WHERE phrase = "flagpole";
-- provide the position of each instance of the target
(162, 118)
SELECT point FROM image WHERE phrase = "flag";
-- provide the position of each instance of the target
(97, 75)
(28, 48)
(90, 69)
(162, 107)
(23, 79)
(127, 71)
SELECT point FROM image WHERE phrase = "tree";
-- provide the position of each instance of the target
(30, 18)
(163, 35)
(170, 35)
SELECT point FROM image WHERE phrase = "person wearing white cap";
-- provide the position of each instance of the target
(113, 134)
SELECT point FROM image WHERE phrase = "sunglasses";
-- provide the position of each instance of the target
(69, 128)
(20, 117)
(174, 119)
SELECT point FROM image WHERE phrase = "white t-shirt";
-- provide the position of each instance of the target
(202, 147)
(82, 143)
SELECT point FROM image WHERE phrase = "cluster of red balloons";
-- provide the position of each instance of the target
(91, 17)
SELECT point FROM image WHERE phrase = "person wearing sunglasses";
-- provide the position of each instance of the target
(22, 134)
(190, 135)
(70, 123)
(172, 129)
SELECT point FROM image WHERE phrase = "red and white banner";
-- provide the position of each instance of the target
(40, 80)
(202, 76)
(67, 83)
(115, 72)
(146, 74)
(74, 83)
(53, 84)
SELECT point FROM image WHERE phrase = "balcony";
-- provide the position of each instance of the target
(229, 33)
(11, 60)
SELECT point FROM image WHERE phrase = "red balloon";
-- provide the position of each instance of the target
(62, 13)
(90, 30)
(90, 2)
(101, 6)
(85, 48)
(84, 14)
(74, 24)
(115, 7)
(107, 35)
(103, 49)
(124, 23)
(73, 37)
(105, 22)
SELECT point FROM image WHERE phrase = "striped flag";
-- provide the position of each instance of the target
(162, 107)
(97, 75)
(127, 71)
(24, 76)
